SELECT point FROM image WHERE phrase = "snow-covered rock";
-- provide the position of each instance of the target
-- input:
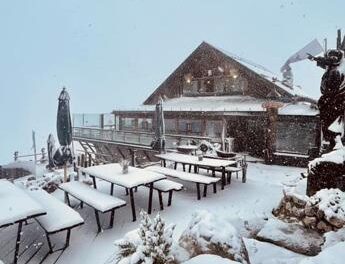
(333, 237)
(332, 255)
(210, 234)
(331, 202)
(208, 259)
(291, 236)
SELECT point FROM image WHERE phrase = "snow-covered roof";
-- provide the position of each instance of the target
(296, 90)
(236, 103)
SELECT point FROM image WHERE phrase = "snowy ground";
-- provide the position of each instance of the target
(252, 199)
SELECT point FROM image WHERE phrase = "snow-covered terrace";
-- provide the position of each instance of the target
(238, 201)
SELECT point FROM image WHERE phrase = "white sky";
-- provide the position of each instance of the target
(112, 54)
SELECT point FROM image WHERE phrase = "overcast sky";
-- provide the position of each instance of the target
(113, 54)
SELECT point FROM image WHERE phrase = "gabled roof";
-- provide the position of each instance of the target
(268, 81)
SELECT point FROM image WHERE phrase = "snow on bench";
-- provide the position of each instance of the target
(94, 198)
(99, 201)
(59, 216)
(166, 186)
(184, 176)
(190, 177)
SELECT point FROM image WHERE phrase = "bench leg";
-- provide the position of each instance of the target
(164, 163)
(49, 243)
(184, 167)
(19, 234)
(150, 198)
(213, 173)
(98, 222)
(170, 198)
(136, 189)
(223, 178)
(111, 189)
(131, 197)
(229, 177)
(67, 199)
(111, 224)
(244, 175)
(68, 237)
(198, 190)
(175, 166)
(195, 169)
(214, 187)
(205, 190)
(160, 197)
(94, 182)
(190, 168)
(127, 193)
(81, 205)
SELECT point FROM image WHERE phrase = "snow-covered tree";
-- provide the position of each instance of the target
(153, 244)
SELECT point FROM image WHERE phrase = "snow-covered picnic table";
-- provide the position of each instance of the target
(190, 160)
(135, 177)
(16, 207)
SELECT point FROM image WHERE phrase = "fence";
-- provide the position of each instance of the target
(132, 137)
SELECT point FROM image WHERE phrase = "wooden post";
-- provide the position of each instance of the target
(271, 133)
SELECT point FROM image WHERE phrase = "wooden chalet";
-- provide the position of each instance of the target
(216, 95)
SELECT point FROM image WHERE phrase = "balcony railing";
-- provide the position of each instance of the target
(132, 137)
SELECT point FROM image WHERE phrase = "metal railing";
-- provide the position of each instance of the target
(133, 137)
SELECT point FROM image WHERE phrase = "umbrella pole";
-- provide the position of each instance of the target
(65, 172)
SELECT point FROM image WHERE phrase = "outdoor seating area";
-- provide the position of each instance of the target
(57, 216)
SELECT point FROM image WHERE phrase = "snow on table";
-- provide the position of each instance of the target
(59, 216)
(208, 259)
(185, 176)
(113, 173)
(15, 204)
(98, 200)
(194, 160)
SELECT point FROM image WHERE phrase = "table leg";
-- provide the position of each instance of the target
(184, 167)
(195, 169)
(150, 198)
(198, 190)
(170, 197)
(112, 218)
(94, 181)
(214, 187)
(164, 163)
(175, 166)
(205, 190)
(98, 222)
(112, 189)
(131, 197)
(19, 234)
(68, 238)
(160, 197)
(223, 177)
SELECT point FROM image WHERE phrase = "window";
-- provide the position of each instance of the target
(209, 85)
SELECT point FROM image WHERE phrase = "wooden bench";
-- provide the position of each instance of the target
(166, 186)
(59, 217)
(99, 201)
(189, 177)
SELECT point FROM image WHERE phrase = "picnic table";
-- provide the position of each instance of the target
(16, 207)
(212, 164)
(135, 177)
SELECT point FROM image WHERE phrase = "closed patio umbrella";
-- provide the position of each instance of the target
(160, 127)
(64, 128)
